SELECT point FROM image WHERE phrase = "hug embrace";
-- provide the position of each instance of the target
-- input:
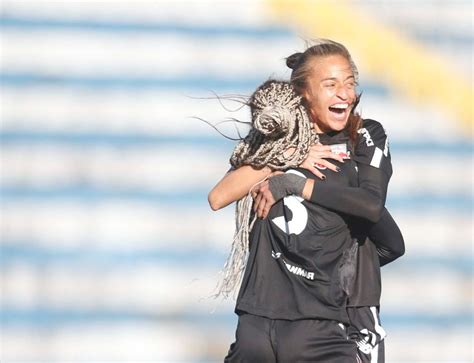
(310, 181)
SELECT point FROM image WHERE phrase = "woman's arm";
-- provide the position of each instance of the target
(387, 238)
(366, 201)
(372, 156)
(235, 185)
(237, 182)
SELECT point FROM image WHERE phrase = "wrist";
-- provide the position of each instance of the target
(308, 189)
(286, 184)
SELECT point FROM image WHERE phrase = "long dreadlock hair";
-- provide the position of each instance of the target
(280, 137)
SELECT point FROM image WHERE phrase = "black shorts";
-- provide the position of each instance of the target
(262, 340)
(367, 333)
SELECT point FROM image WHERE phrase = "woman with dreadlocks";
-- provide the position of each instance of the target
(292, 303)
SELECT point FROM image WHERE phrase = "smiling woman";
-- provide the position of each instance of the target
(326, 76)
(331, 92)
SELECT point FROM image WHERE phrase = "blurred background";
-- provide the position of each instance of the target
(109, 250)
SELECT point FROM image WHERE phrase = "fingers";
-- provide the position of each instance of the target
(319, 151)
(335, 156)
(316, 172)
(317, 159)
(256, 190)
(326, 164)
(325, 155)
(263, 200)
(312, 168)
(265, 205)
(257, 201)
(261, 208)
(258, 194)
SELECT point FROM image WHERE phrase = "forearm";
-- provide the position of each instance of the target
(354, 201)
(366, 201)
(235, 185)
(387, 239)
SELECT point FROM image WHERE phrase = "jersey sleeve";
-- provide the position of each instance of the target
(387, 238)
(372, 147)
(365, 201)
(374, 167)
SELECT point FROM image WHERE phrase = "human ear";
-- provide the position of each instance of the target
(307, 96)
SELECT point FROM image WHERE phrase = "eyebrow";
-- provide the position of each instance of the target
(335, 79)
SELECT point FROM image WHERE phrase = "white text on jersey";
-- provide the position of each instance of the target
(299, 271)
(366, 134)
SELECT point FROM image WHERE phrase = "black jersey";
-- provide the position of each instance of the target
(294, 267)
(379, 243)
(297, 254)
(372, 158)
(366, 200)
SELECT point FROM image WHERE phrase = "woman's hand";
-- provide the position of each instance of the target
(277, 187)
(317, 156)
(263, 198)
(318, 153)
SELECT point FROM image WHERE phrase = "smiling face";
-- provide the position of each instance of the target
(330, 92)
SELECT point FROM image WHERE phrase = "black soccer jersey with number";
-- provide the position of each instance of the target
(299, 254)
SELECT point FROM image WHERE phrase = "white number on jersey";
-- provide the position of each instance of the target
(299, 219)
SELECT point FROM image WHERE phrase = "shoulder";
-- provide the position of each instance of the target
(371, 126)
(368, 122)
(371, 133)
(372, 146)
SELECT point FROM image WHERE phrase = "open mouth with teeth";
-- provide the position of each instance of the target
(339, 108)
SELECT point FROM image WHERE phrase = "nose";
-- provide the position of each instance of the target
(342, 92)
